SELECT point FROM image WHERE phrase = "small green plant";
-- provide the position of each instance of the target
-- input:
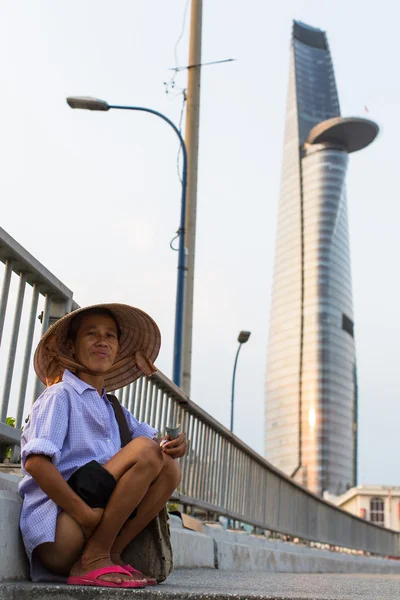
(11, 422)
(172, 506)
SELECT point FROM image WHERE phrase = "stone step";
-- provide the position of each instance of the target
(209, 584)
(10, 468)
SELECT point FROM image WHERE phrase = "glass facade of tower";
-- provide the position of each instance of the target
(310, 417)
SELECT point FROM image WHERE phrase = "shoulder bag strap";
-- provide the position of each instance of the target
(124, 432)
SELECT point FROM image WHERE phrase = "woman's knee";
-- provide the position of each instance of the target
(172, 471)
(141, 453)
(148, 455)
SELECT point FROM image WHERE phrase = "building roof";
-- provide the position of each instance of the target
(364, 490)
(311, 36)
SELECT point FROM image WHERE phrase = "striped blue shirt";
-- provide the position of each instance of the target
(72, 424)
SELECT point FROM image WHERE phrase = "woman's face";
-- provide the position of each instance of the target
(96, 345)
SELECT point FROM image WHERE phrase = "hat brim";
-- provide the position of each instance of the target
(139, 332)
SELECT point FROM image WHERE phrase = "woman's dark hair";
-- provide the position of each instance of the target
(77, 320)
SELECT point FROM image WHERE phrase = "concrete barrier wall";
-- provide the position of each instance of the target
(13, 561)
(255, 554)
(215, 548)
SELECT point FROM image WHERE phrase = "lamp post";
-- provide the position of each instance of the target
(89, 103)
(242, 339)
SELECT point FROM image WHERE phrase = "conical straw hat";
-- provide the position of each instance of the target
(139, 345)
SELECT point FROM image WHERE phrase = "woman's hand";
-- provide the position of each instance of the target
(53, 484)
(90, 521)
(175, 448)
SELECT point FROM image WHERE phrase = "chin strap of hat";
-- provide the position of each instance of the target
(57, 362)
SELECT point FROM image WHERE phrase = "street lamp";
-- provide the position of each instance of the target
(242, 339)
(89, 103)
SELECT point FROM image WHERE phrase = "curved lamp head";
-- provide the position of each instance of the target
(87, 103)
(244, 336)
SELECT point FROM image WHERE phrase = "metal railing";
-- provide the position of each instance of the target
(223, 476)
(220, 474)
(54, 298)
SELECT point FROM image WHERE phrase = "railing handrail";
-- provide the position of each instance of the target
(23, 261)
(195, 409)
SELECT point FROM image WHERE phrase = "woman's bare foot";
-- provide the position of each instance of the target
(117, 560)
(82, 567)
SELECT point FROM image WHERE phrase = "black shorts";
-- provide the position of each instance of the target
(94, 484)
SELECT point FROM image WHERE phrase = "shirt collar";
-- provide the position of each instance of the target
(79, 385)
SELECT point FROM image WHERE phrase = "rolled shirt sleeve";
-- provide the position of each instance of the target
(47, 427)
(138, 429)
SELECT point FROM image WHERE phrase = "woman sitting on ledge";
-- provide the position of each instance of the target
(84, 497)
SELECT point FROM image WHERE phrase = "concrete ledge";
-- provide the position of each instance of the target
(251, 559)
(9, 482)
(192, 549)
(236, 550)
(13, 561)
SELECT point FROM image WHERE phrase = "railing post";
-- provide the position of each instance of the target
(4, 294)
(26, 365)
(58, 309)
(27, 355)
(39, 387)
(54, 309)
(13, 347)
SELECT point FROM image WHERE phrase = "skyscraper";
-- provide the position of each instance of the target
(311, 387)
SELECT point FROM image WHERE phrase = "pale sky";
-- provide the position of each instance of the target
(96, 197)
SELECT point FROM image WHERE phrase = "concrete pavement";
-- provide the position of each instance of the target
(211, 584)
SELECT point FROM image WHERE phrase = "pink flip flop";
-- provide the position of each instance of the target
(150, 580)
(91, 579)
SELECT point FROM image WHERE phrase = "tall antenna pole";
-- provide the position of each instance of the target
(192, 145)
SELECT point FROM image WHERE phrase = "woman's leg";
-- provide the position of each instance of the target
(134, 467)
(67, 552)
(157, 496)
(59, 556)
